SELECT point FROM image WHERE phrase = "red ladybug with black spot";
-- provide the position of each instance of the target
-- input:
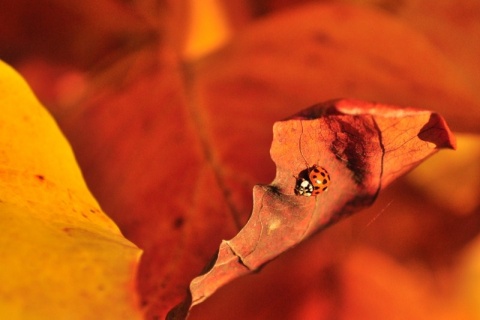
(319, 178)
(318, 182)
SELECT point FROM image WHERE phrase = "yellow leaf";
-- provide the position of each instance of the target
(61, 256)
(460, 169)
(469, 277)
(208, 29)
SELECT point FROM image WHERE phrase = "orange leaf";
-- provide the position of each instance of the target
(62, 257)
(317, 52)
(363, 146)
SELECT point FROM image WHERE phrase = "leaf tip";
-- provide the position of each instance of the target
(436, 131)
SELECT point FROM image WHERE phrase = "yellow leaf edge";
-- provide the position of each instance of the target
(62, 257)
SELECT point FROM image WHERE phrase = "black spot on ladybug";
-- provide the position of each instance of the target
(40, 177)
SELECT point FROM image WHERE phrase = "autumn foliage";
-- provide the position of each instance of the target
(192, 123)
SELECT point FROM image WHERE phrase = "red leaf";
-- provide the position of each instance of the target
(364, 146)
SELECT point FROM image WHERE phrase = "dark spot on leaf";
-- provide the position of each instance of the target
(322, 38)
(354, 141)
(274, 189)
(178, 222)
(392, 7)
(40, 177)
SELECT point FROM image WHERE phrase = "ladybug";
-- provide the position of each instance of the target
(318, 182)
(319, 178)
